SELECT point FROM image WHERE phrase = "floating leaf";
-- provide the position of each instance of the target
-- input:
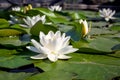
(64, 27)
(59, 75)
(99, 24)
(13, 41)
(35, 30)
(101, 31)
(80, 67)
(10, 32)
(76, 32)
(4, 23)
(115, 27)
(14, 76)
(46, 11)
(96, 45)
(116, 47)
(8, 59)
(5, 52)
(58, 20)
(76, 15)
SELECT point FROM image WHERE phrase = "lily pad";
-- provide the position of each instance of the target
(99, 24)
(76, 15)
(10, 59)
(4, 23)
(35, 30)
(58, 20)
(12, 42)
(46, 12)
(115, 27)
(10, 32)
(76, 32)
(96, 45)
(80, 67)
(14, 76)
(101, 31)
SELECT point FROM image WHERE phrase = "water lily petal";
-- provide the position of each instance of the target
(55, 8)
(41, 35)
(63, 57)
(39, 56)
(50, 34)
(44, 42)
(65, 41)
(35, 43)
(68, 49)
(63, 35)
(52, 57)
(57, 34)
(41, 49)
(29, 19)
(26, 26)
(52, 44)
(107, 19)
(26, 21)
(34, 49)
(112, 13)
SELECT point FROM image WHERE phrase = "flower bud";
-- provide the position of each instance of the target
(26, 9)
(29, 6)
(84, 27)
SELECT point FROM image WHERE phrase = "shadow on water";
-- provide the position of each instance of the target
(27, 68)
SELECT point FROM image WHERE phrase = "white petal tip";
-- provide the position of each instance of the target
(32, 57)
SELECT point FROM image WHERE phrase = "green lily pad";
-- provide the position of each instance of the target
(115, 28)
(12, 42)
(76, 15)
(96, 45)
(4, 23)
(13, 62)
(64, 27)
(46, 11)
(5, 52)
(99, 24)
(10, 59)
(14, 76)
(59, 75)
(76, 32)
(101, 31)
(10, 32)
(35, 30)
(58, 20)
(80, 67)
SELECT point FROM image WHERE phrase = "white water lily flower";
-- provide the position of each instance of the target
(16, 9)
(107, 14)
(31, 21)
(13, 20)
(55, 8)
(53, 46)
(84, 27)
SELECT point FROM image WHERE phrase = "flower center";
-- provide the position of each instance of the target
(53, 52)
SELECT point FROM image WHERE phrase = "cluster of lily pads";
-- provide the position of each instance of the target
(41, 36)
